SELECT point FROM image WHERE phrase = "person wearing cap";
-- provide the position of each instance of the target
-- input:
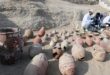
(87, 20)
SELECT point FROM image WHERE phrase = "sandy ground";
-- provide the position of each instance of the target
(87, 67)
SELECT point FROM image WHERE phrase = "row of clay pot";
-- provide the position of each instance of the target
(28, 34)
(67, 61)
(78, 51)
(90, 39)
(36, 47)
(39, 65)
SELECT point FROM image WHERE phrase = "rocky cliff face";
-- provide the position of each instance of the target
(36, 13)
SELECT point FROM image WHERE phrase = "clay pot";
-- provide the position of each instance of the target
(107, 33)
(37, 40)
(67, 64)
(70, 39)
(35, 50)
(55, 39)
(54, 32)
(59, 34)
(50, 34)
(105, 43)
(97, 40)
(28, 34)
(63, 37)
(89, 40)
(45, 38)
(98, 53)
(79, 40)
(67, 34)
(52, 44)
(57, 52)
(41, 32)
(64, 45)
(38, 65)
(78, 52)
(58, 45)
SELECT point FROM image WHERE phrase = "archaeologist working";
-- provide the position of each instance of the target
(106, 21)
(87, 20)
(97, 20)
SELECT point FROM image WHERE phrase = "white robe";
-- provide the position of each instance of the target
(106, 20)
(87, 20)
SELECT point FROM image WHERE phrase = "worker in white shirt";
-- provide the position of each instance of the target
(106, 21)
(87, 20)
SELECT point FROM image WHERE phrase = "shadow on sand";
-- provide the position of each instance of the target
(107, 57)
(5, 22)
(81, 68)
(53, 68)
(88, 56)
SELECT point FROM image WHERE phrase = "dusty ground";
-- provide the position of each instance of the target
(86, 67)
(35, 13)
